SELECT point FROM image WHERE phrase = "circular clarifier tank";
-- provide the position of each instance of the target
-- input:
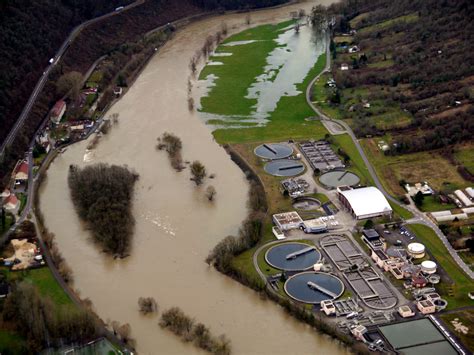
(284, 167)
(273, 151)
(314, 287)
(292, 256)
(333, 179)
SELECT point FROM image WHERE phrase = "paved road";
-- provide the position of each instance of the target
(419, 217)
(40, 84)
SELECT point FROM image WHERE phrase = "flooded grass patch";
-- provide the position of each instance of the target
(287, 121)
(233, 78)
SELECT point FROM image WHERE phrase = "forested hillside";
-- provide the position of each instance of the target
(416, 55)
(30, 34)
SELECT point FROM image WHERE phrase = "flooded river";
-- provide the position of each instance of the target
(176, 226)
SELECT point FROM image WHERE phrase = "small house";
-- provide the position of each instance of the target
(118, 91)
(11, 204)
(58, 111)
(21, 172)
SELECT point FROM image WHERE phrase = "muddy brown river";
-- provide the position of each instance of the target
(175, 225)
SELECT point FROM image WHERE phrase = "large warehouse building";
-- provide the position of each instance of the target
(365, 202)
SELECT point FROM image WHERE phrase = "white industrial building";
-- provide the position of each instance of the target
(287, 220)
(366, 202)
(470, 192)
(464, 199)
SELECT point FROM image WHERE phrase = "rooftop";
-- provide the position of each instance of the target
(366, 200)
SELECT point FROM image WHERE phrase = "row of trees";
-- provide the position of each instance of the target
(41, 322)
(102, 195)
(189, 330)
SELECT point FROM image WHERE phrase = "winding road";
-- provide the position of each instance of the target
(419, 217)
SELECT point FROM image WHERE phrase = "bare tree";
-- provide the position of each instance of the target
(210, 192)
(147, 305)
(224, 28)
(198, 172)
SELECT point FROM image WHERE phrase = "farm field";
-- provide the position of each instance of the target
(415, 167)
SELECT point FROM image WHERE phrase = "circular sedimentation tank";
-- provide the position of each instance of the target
(314, 287)
(307, 204)
(284, 167)
(333, 179)
(273, 151)
(292, 256)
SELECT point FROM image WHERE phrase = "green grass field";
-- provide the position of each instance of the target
(44, 280)
(465, 155)
(462, 283)
(388, 23)
(432, 204)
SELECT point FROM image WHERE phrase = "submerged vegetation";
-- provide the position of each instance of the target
(173, 145)
(102, 195)
(199, 334)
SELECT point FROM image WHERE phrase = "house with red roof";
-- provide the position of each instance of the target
(21, 171)
(11, 204)
(58, 111)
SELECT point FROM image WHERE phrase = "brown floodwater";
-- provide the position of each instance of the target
(175, 225)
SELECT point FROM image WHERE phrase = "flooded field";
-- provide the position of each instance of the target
(287, 65)
(175, 224)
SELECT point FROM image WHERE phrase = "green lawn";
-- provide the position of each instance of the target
(345, 142)
(462, 283)
(402, 212)
(12, 343)
(466, 317)
(388, 23)
(44, 280)
(432, 204)
(22, 198)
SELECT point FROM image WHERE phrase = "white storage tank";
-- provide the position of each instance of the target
(416, 250)
(428, 267)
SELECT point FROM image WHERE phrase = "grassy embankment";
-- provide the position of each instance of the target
(456, 295)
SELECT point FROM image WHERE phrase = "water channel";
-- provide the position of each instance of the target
(175, 225)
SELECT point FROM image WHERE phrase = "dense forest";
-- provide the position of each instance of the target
(428, 70)
(102, 195)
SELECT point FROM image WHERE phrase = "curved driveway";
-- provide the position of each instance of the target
(419, 217)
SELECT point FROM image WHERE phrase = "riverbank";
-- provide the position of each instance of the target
(170, 239)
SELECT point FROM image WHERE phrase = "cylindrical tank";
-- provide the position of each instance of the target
(428, 267)
(416, 250)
